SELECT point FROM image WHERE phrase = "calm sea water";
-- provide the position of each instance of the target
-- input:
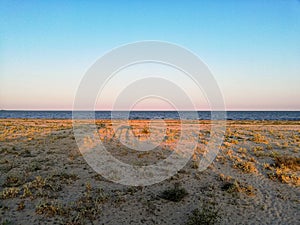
(231, 115)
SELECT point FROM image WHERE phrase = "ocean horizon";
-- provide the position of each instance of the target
(202, 115)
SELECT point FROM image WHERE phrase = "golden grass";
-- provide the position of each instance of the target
(234, 185)
(245, 166)
(289, 162)
(258, 138)
(285, 170)
(284, 176)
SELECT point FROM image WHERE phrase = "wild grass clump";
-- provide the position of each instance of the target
(242, 150)
(39, 187)
(258, 138)
(223, 177)
(269, 147)
(13, 181)
(174, 194)
(11, 192)
(63, 178)
(206, 215)
(234, 141)
(246, 167)
(6, 222)
(289, 162)
(234, 186)
(50, 209)
(86, 208)
(195, 161)
(89, 205)
(21, 205)
(33, 166)
(145, 130)
(284, 176)
(285, 170)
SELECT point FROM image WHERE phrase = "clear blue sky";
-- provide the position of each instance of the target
(252, 47)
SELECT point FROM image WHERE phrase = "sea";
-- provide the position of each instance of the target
(202, 115)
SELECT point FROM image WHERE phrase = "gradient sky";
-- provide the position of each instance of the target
(251, 47)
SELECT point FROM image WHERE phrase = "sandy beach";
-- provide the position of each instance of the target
(255, 178)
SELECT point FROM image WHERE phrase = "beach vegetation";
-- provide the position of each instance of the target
(145, 130)
(269, 147)
(21, 205)
(50, 209)
(10, 192)
(174, 194)
(207, 215)
(284, 176)
(6, 222)
(289, 162)
(234, 185)
(13, 180)
(245, 166)
(258, 138)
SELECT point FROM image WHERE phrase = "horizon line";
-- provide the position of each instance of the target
(152, 110)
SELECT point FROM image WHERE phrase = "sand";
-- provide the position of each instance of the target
(255, 178)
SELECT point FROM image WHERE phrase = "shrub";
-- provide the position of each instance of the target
(207, 216)
(145, 130)
(258, 138)
(247, 167)
(175, 194)
(236, 186)
(9, 193)
(290, 162)
(50, 209)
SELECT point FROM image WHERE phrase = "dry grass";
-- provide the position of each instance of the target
(174, 194)
(233, 186)
(21, 205)
(259, 139)
(47, 182)
(246, 167)
(13, 181)
(289, 162)
(11, 192)
(50, 209)
(207, 215)
(145, 130)
(284, 176)
(285, 170)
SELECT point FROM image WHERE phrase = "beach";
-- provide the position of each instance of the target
(254, 179)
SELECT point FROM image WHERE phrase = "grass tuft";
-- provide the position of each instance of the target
(174, 194)
(207, 215)
(234, 186)
(289, 162)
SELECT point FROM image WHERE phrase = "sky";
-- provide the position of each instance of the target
(251, 47)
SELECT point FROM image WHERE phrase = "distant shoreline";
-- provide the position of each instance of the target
(141, 115)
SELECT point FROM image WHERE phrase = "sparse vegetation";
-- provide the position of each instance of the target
(284, 177)
(174, 194)
(145, 130)
(289, 162)
(233, 186)
(11, 192)
(6, 222)
(12, 181)
(50, 209)
(21, 205)
(207, 215)
(44, 175)
(246, 167)
(284, 169)
(258, 138)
